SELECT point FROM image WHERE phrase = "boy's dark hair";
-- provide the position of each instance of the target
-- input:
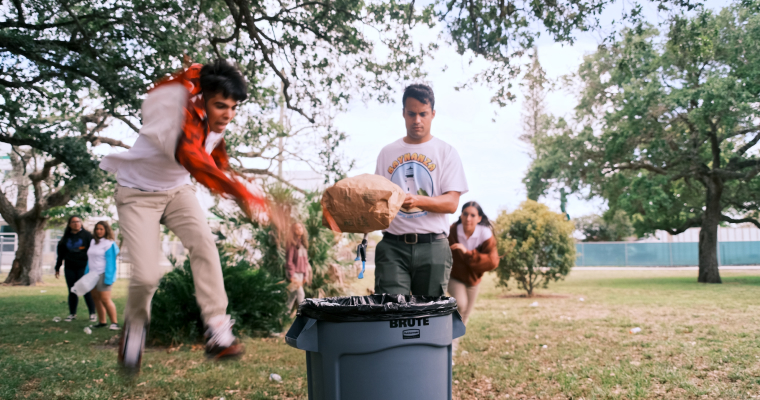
(222, 77)
(420, 92)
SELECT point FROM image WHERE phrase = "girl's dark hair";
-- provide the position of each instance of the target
(222, 77)
(484, 219)
(67, 231)
(107, 228)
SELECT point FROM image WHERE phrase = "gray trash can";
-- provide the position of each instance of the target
(377, 347)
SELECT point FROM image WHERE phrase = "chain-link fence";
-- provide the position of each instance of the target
(632, 254)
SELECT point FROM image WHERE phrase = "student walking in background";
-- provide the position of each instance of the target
(72, 254)
(102, 260)
(297, 267)
(474, 252)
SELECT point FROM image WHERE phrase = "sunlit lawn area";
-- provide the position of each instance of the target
(697, 341)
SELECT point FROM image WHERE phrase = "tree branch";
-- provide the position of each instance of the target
(59, 197)
(24, 84)
(742, 132)
(42, 27)
(44, 173)
(646, 166)
(14, 141)
(752, 221)
(740, 152)
(8, 211)
(690, 223)
(266, 172)
(20, 11)
(96, 140)
(253, 32)
(124, 119)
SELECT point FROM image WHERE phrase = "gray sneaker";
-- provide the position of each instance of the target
(70, 318)
(131, 346)
(93, 317)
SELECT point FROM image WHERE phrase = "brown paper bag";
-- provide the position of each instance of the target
(361, 204)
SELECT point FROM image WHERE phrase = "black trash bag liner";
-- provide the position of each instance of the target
(377, 307)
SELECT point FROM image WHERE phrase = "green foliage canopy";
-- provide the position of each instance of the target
(502, 31)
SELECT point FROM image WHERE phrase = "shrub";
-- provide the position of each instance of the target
(256, 302)
(536, 246)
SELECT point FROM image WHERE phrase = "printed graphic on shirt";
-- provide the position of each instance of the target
(74, 245)
(412, 173)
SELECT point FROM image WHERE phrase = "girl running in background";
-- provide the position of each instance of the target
(474, 253)
(298, 269)
(102, 259)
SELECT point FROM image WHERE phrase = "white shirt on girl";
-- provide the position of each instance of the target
(96, 255)
(479, 236)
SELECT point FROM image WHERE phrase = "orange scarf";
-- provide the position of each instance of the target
(208, 170)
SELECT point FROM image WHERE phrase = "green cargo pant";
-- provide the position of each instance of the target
(420, 269)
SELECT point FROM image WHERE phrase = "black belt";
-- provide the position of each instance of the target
(414, 238)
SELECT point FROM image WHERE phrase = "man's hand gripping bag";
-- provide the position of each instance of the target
(361, 204)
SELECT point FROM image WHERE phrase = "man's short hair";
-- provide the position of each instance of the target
(420, 92)
(222, 77)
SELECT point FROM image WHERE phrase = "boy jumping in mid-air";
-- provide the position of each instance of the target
(184, 119)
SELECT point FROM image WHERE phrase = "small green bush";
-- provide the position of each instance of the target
(256, 302)
(536, 246)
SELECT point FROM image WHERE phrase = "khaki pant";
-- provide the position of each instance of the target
(296, 293)
(465, 296)
(140, 217)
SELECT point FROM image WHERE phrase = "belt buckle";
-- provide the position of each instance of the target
(407, 235)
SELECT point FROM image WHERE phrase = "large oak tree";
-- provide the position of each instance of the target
(667, 128)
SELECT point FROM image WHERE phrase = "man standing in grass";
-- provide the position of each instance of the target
(184, 119)
(414, 256)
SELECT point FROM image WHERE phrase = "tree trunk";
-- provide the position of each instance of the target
(27, 266)
(708, 234)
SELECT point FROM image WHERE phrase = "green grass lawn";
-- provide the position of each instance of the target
(697, 341)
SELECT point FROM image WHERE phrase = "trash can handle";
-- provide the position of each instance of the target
(457, 327)
(303, 334)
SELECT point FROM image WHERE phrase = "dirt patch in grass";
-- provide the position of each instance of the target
(535, 296)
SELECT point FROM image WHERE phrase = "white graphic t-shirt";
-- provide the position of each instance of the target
(428, 169)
